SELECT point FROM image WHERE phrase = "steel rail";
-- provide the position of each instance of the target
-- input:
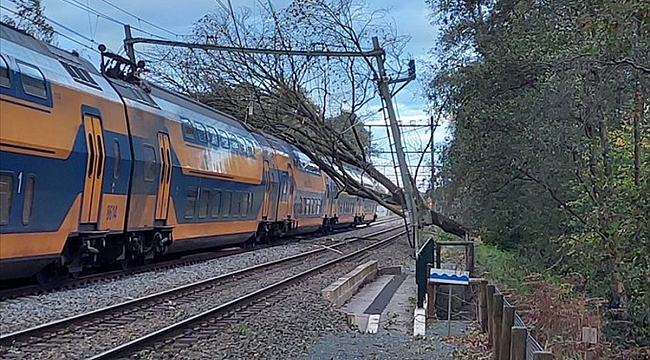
(228, 306)
(8, 339)
(189, 259)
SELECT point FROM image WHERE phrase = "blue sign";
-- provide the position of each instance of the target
(442, 276)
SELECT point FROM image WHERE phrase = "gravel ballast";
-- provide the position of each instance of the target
(305, 326)
(29, 311)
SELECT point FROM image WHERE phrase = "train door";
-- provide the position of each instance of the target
(94, 169)
(290, 187)
(331, 201)
(283, 198)
(274, 194)
(267, 190)
(162, 201)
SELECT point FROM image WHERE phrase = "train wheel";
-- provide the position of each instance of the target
(125, 264)
(51, 274)
(250, 243)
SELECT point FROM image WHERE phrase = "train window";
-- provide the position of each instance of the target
(247, 203)
(236, 204)
(213, 137)
(190, 202)
(33, 80)
(79, 74)
(242, 146)
(204, 200)
(296, 207)
(225, 204)
(6, 192)
(235, 144)
(188, 129)
(225, 140)
(201, 133)
(149, 168)
(118, 158)
(215, 203)
(250, 149)
(5, 78)
(244, 204)
(28, 201)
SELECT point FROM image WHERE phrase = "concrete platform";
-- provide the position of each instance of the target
(384, 305)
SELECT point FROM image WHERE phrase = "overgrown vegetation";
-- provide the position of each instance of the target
(550, 157)
(30, 17)
(505, 268)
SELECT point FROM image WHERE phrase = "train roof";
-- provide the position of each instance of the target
(197, 107)
(12, 34)
(157, 93)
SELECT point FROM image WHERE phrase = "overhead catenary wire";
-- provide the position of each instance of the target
(58, 32)
(98, 13)
(140, 18)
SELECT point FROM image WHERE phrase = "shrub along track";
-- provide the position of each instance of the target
(108, 332)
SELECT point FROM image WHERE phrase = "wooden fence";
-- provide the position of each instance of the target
(508, 335)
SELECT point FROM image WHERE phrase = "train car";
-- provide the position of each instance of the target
(309, 194)
(198, 174)
(276, 217)
(103, 168)
(64, 174)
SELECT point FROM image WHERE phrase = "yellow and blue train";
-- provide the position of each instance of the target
(98, 167)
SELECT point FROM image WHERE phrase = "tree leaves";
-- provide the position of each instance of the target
(549, 106)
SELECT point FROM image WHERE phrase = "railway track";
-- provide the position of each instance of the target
(34, 289)
(200, 307)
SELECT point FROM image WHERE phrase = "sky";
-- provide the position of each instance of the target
(166, 18)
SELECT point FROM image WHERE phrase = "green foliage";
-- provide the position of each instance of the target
(31, 19)
(351, 128)
(506, 268)
(550, 156)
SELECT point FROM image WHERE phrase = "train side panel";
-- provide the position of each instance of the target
(45, 157)
(217, 178)
(310, 194)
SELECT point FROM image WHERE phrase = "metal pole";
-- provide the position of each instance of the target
(128, 45)
(449, 312)
(397, 139)
(433, 159)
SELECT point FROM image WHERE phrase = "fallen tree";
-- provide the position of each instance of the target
(295, 97)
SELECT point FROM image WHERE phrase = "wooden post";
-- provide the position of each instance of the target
(482, 299)
(497, 311)
(431, 294)
(490, 310)
(542, 355)
(438, 255)
(506, 329)
(518, 338)
(471, 265)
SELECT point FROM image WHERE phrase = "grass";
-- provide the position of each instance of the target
(505, 268)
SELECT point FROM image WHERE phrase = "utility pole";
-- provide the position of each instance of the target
(377, 52)
(408, 190)
(433, 164)
(128, 47)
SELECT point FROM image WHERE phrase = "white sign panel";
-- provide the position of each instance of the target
(443, 276)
